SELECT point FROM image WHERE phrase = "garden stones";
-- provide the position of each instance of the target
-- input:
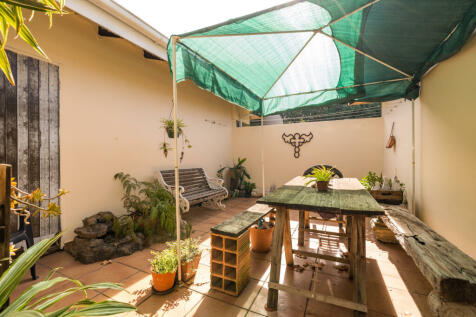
(95, 241)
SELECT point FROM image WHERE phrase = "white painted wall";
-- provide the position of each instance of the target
(352, 146)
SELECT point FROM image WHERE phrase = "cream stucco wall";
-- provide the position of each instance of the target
(353, 146)
(111, 103)
(445, 148)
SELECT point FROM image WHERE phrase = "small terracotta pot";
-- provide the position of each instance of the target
(163, 281)
(322, 186)
(190, 268)
(261, 239)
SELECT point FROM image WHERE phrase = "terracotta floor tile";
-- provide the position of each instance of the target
(69, 267)
(137, 288)
(259, 269)
(138, 260)
(208, 306)
(246, 297)
(289, 305)
(178, 303)
(114, 272)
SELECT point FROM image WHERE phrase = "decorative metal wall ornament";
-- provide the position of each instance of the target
(297, 140)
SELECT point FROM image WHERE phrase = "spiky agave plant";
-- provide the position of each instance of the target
(33, 302)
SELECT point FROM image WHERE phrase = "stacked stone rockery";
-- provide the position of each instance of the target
(95, 240)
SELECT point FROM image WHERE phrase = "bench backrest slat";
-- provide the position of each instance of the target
(191, 179)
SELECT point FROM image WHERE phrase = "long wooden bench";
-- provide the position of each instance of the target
(451, 272)
(195, 188)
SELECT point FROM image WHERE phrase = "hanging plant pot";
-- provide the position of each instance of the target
(170, 132)
(163, 281)
(261, 238)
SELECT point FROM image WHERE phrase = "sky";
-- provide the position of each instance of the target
(180, 16)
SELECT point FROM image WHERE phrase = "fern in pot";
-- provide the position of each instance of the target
(320, 178)
(163, 269)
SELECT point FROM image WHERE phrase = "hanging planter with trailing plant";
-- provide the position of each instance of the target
(168, 126)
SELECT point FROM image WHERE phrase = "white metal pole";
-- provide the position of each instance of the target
(177, 198)
(413, 158)
(262, 156)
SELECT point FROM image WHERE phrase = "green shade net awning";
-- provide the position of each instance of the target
(311, 53)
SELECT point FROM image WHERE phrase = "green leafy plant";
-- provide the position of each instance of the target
(321, 174)
(33, 302)
(150, 208)
(168, 125)
(238, 174)
(370, 179)
(164, 261)
(189, 249)
(11, 15)
(248, 187)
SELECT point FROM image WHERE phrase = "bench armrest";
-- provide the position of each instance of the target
(216, 182)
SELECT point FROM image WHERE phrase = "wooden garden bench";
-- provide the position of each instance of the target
(195, 188)
(451, 272)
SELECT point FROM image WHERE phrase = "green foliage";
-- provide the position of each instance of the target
(168, 124)
(163, 261)
(369, 181)
(238, 173)
(321, 174)
(150, 207)
(248, 186)
(33, 302)
(189, 249)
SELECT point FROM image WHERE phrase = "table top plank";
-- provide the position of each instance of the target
(345, 196)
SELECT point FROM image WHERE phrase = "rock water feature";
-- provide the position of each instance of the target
(95, 240)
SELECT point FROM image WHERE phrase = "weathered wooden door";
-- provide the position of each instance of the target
(29, 131)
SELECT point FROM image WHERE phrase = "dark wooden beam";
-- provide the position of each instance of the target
(106, 33)
(152, 56)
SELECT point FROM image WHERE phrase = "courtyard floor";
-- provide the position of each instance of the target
(395, 287)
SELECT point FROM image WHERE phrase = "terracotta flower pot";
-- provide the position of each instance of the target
(163, 281)
(190, 268)
(261, 239)
(322, 186)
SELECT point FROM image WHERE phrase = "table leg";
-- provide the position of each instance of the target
(359, 265)
(272, 303)
(348, 232)
(301, 228)
(307, 224)
(288, 246)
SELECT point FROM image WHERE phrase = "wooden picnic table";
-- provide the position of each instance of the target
(346, 196)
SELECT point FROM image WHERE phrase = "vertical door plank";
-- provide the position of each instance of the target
(22, 122)
(3, 130)
(53, 100)
(11, 126)
(44, 127)
(33, 136)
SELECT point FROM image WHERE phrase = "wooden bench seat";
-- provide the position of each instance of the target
(450, 271)
(195, 187)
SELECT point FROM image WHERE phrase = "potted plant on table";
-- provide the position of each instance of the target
(261, 236)
(190, 255)
(163, 269)
(320, 177)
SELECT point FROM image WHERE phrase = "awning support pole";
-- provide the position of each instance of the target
(177, 196)
(262, 155)
(413, 157)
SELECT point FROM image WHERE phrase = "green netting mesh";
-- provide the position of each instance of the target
(309, 53)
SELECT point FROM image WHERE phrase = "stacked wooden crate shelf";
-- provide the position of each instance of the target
(230, 262)
(230, 256)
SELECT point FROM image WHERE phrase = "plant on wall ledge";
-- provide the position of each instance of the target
(168, 126)
(238, 174)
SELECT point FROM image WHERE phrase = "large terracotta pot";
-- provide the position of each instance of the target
(164, 281)
(261, 239)
(190, 268)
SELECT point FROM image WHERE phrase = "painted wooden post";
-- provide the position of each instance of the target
(359, 265)
(5, 175)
